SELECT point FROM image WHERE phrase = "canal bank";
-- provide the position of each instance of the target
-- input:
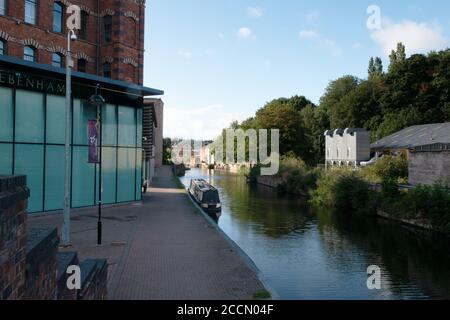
(162, 248)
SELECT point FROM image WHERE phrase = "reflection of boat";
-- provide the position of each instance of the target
(206, 196)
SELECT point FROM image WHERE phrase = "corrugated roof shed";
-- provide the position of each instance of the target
(416, 136)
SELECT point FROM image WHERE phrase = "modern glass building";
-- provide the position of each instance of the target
(32, 135)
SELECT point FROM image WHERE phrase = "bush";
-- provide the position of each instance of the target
(345, 191)
(297, 177)
(428, 203)
(387, 168)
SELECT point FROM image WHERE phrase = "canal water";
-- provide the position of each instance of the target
(307, 253)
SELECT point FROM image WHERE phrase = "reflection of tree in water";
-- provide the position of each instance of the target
(408, 254)
(262, 207)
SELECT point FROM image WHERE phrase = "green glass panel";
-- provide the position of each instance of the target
(126, 174)
(139, 128)
(56, 119)
(139, 174)
(5, 158)
(109, 175)
(6, 114)
(82, 113)
(109, 125)
(83, 178)
(127, 126)
(29, 117)
(54, 178)
(29, 160)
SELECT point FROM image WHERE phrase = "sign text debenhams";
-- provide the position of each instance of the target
(20, 80)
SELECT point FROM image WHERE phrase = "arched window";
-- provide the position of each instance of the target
(82, 64)
(57, 60)
(107, 70)
(107, 28)
(30, 11)
(2, 7)
(2, 47)
(58, 16)
(29, 54)
(82, 33)
(133, 26)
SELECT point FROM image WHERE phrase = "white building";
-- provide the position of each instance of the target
(347, 147)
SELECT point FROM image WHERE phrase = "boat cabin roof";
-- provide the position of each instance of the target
(203, 185)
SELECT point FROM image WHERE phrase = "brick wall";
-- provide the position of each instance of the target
(13, 205)
(126, 50)
(429, 167)
(41, 264)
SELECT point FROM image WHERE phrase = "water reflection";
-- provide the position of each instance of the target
(310, 253)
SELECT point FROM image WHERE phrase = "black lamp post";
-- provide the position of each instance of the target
(97, 100)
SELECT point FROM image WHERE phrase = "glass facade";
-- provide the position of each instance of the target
(32, 135)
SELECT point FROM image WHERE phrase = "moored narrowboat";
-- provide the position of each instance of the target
(206, 196)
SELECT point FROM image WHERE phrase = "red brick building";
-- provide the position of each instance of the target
(110, 43)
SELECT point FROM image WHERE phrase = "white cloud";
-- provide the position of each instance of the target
(308, 34)
(201, 123)
(322, 42)
(332, 47)
(255, 12)
(418, 37)
(244, 33)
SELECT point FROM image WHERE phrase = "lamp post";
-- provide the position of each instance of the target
(97, 100)
(73, 22)
(71, 36)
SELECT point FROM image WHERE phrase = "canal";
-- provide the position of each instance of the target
(307, 253)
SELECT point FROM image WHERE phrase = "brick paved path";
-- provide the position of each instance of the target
(162, 249)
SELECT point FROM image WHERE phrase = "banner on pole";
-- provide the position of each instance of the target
(94, 134)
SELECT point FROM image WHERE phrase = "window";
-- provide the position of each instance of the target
(107, 70)
(57, 60)
(133, 27)
(29, 54)
(107, 28)
(348, 152)
(58, 17)
(82, 33)
(2, 7)
(82, 65)
(30, 11)
(2, 47)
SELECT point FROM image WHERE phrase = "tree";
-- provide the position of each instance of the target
(371, 70)
(398, 55)
(334, 93)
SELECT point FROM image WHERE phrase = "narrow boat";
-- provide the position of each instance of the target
(206, 196)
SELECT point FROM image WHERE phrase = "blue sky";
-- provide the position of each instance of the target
(220, 61)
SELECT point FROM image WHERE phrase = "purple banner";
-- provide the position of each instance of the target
(93, 135)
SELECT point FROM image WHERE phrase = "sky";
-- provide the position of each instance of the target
(222, 60)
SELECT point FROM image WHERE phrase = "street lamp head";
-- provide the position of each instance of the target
(96, 99)
(73, 37)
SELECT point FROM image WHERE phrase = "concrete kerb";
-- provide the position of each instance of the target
(250, 263)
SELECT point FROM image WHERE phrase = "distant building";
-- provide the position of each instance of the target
(427, 148)
(206, 156)
(346, 147)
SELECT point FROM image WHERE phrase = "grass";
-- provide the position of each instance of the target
(262, 295)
